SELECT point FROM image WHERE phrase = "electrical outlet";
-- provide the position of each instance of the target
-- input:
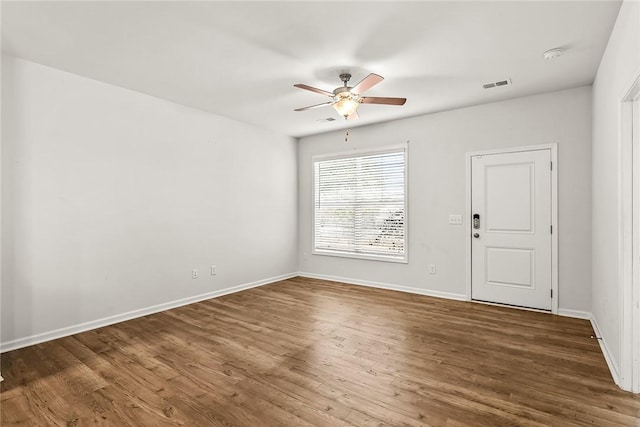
(194, 273)
(432, 269)
(213, 270)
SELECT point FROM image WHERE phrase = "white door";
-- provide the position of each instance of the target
(511, 228)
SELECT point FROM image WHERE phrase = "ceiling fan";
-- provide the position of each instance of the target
(347, 99)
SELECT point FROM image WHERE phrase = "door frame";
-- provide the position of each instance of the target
(553, 150)
(629, 241)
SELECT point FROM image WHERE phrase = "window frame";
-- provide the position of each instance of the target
(361, 153)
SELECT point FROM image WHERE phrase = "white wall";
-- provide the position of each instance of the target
(619, 66)
(111, 197)
(437, 148)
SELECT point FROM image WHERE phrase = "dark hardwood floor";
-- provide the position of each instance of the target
(311, 352)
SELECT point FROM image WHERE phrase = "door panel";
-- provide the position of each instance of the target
(510, 267)
(511, 248)
(507, 183)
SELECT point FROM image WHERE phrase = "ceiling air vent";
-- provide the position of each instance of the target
(496, 84)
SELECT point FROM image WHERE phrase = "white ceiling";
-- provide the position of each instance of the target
(241, 59)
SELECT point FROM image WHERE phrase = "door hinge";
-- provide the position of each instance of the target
(551, 228)
(551, 293)
(551, 165)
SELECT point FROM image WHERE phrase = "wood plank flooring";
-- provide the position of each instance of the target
(311, 352)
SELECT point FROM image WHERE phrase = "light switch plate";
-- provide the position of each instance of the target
(455, 219)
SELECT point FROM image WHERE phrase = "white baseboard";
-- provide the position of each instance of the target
(577, 314)
(106, 321)
(613, 367)
(389, 286)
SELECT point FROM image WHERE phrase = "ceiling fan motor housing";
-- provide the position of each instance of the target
(342, 90)
(345, 77)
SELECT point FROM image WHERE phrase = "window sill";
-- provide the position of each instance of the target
(382, 258)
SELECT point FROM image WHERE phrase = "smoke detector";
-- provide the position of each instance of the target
(553, 53)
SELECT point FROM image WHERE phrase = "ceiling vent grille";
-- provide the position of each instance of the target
(497, 84)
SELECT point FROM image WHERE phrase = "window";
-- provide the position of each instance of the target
(360, 205)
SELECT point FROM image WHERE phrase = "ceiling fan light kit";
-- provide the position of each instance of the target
(346, 106)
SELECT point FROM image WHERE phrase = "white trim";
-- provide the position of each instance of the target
(625, 245)
(357, 152)
(555, 252)
(388, 286)
(438, 294)
(383, 258)
(553, 150)
(629, 244)
(576, 314)
(106, 321)
(635, 283)
(467, 237)
(613, 367)
(513, 149)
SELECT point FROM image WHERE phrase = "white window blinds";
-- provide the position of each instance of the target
(360, 207)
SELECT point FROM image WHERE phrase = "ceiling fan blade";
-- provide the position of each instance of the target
(324, 104)
(313, 89)
(353, 116)
(367, 83)
(382, 100)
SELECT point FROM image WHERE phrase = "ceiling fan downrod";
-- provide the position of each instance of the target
(345, 78)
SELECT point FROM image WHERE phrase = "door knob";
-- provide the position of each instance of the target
(476, 235)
